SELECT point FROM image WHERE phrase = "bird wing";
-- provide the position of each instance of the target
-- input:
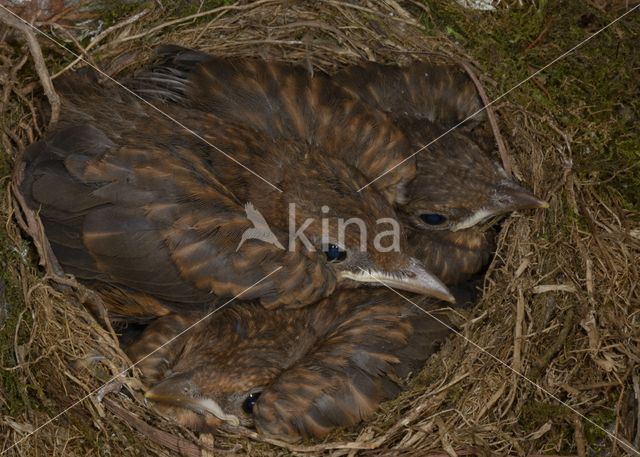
(352, 370)
(153, 352)
(437, 92)
(284, 101)
(127, 202)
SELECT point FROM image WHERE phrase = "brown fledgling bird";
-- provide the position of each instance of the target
(434, 91)
(448, 238)
(283, 101)
(423, 99)
(458, 185)
(153, 217)
(290, 373)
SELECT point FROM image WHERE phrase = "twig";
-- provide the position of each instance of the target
(10, 80)
(371, 11)
(578, 435)
(597, 385)
(544, 31)
(247, 433)
(175, 443)
(29, 221)
(555, 347)
(554, 288)
(516, 364)
(82, 52)
(12, 20)
(491, 115)
(189, 18)
(340, 36)
(98, 38)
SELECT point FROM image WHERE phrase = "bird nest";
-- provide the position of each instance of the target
(553, 335)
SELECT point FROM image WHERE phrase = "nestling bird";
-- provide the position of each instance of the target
(291, 373)
(475, 187)
(282, 101)
(140, 209)
(434, 91)
(458, 185)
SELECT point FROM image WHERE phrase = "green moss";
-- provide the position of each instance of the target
(591, 93)
(15, 394)
(535, 414)
(592, 433)
(111, 12)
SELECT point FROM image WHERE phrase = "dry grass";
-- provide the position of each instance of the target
(561, 297)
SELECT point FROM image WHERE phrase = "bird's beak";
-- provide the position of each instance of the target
(508, 197)
(169, 392)
(512, 197)
(412, 279)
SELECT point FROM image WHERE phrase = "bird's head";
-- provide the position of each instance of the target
(356, 232)
(459, 186)
(218, 370)
(203, 398)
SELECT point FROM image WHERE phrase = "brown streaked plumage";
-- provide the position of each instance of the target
(466, 186)
(457, 185)
(453, 257)
(130, 202)
(423, 100)
(283, 101)
(432, 91)
(314, 368)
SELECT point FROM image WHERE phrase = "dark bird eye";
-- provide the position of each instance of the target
(335, 253)
(433, 219)
(250, 402)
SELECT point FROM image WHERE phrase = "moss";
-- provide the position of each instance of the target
(591, 92)
(110, 12)
(535, 414)
(15, 394)
(603, 419)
